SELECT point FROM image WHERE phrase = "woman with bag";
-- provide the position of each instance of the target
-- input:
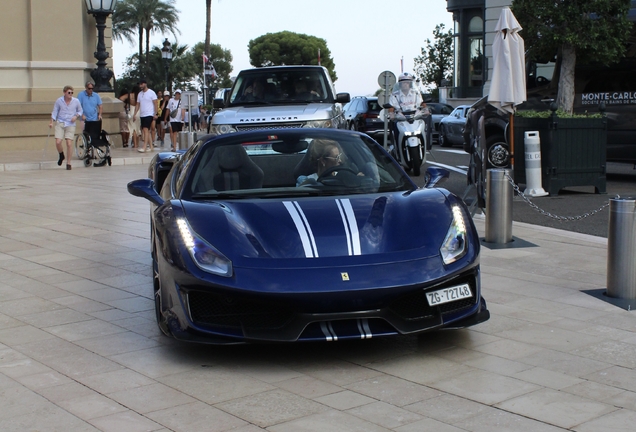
(176, 118)
(124, 116)
(134, 125)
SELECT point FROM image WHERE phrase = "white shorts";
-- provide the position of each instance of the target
(64, 132)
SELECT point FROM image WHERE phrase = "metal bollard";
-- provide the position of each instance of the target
(186, 140)
(621, 249)
(532, 144)
(498, 206)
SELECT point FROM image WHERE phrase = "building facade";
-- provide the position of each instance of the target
(46, 45)
(474, 24)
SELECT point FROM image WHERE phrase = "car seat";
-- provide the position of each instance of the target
(231, 168)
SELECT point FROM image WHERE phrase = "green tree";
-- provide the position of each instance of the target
(181, 72)
(436, 60)
(140, 18)
(221, 60)
(184, 70)
(584, 31)
(288, 48)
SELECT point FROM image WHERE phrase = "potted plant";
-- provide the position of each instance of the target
(573, 148)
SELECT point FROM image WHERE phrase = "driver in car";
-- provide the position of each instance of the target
(325, 156)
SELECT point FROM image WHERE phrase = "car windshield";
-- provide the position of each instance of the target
(274, 164)
(281, 86)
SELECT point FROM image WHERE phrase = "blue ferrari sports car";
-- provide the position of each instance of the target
(290, 235)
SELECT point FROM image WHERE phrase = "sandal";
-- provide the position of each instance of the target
(68, 167)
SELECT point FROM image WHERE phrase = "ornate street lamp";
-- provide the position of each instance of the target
(100, 9)
(166, 55)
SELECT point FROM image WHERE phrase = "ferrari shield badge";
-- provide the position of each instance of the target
(345, 276)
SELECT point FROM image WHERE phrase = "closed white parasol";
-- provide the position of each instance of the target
(508, 84)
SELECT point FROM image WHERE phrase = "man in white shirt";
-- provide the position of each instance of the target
(405, 98)
(147, 109)
(176, 122)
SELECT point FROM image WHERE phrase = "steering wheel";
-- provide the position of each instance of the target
(339, 175)
(541, 80)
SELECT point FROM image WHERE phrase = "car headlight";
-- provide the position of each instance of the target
(454, 246)
(319, 124)
(205, 256)
(221, 129)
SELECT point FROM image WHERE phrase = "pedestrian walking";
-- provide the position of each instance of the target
(195, 121)
(164, 117)
(91, 111)
(147, 110)
(176, 120)
(124, 117)
(134, 124)
(66, 111)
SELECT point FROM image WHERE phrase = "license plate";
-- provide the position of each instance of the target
(447, 295)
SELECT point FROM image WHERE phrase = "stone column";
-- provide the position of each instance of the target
(45, 45)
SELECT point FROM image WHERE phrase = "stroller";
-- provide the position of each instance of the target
(90, 146)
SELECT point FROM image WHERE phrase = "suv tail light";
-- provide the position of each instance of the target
(369, 115)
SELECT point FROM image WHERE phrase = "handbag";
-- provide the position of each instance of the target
(175, 111)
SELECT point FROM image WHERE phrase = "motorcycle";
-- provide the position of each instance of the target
(409, 147)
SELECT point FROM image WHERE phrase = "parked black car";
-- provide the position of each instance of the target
(361, 114)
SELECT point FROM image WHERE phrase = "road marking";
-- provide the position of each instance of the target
(448, 167)
(451, 151)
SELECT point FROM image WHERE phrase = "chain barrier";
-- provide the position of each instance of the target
(550, 215)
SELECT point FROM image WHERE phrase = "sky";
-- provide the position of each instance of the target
(365, 37)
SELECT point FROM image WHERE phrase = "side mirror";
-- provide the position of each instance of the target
(145, 188)
(343, 98)
(387, 106)
(218, 104)
(435, 175)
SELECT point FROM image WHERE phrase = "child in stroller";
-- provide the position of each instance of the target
(90, 146)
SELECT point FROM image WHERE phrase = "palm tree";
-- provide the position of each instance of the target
(208, 17)
(141, 18)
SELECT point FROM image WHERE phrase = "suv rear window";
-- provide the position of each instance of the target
(374, 105)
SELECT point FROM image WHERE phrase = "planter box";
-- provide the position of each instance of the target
(573, 152)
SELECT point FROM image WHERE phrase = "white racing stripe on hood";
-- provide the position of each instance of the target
(350, 226)
(304, 230)
(352, 234)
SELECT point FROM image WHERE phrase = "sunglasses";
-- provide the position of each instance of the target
(69, 92)
(336, 158)
(89, 88)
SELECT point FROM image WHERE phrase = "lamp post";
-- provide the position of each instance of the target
(166, 55)
(208, 78)
(100, 9)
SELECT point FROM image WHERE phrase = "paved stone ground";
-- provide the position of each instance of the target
(80, 351)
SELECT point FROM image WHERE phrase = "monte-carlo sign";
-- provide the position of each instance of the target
(609, 98)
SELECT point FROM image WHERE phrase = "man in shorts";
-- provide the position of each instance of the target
(66, 111)
(147, 110)
(176, 122)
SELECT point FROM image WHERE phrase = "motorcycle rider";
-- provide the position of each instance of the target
(405, 98)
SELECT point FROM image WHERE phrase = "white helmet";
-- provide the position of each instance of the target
(405, 77)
